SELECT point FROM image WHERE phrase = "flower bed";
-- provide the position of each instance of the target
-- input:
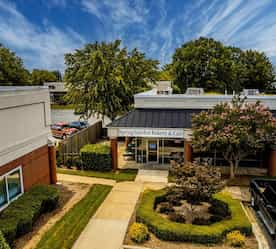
(168, 230)
(18, 218)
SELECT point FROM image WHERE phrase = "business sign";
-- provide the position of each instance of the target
(146, 132)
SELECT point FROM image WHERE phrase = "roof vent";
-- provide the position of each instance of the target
(194, 91)
(250, 92)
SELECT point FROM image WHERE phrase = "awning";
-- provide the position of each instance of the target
(156, 118)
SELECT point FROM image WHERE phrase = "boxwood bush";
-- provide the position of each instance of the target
(19, 217)
(3, 242)
(207, 234)
(96, 157)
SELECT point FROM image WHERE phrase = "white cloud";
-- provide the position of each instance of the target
(38, 48)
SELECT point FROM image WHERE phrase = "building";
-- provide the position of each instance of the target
(26, 155)
(159, 127)
(57, 92)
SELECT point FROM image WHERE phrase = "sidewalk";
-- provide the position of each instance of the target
(85, 179)
(107, 229)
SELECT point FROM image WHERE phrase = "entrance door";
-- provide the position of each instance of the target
(153, 151)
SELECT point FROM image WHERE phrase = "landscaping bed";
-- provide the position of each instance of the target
(117, 175)
(18, 218)
(65, 231)
(70, 194)
(166, 229)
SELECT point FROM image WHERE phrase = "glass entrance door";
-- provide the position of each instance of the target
(153, 151)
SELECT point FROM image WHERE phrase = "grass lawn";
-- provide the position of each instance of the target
(118, 175)
(61, 107)
(66, 231)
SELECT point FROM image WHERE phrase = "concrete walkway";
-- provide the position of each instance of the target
(147, 175)
(107, 229)
(85, 179)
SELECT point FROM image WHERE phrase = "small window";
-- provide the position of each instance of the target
(11, 187)
(14, 184)
(3, 193)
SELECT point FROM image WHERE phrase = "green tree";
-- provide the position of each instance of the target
(12, 71)
(103, 77)
(234, 129)
(58, 75)
(207, 63)
(40, 76)
(165, 73)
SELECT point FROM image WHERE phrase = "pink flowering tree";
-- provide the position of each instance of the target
(234, 129)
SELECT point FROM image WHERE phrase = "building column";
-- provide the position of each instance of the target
(188, 150)
(127, 139)
(52, 163)
(272, 162)
(114, 152)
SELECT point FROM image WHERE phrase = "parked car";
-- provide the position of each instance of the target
(263, 200)
(78, 124)
(62, 130)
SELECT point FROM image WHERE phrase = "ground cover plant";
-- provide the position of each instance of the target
(117, 175)
(18, 218)
(66, 231)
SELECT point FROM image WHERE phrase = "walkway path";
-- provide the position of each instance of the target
(106, 230)
(147, 175)
(85, 179)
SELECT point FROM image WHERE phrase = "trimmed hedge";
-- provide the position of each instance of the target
(96, 157)
(3, 242)
(168, 230)
(18, 218)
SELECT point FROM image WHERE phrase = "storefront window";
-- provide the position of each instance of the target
(173, 149)
(3, 193)
(141, 151)
(14, 184)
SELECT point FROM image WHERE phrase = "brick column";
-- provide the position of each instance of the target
(114, 152)
(52, 164)
(187, 151)
(272, 162)
(127, 139)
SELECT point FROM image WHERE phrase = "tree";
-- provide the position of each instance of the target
(40, 76)
(209, 64)
(234, 129)
(102, 78)
(200, 182)
(165, 73)
(12, 71)
(58, 75)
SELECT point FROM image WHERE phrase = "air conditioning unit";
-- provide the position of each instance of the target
(194, 91)
(250, 92)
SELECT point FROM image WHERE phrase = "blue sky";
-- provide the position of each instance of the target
(41, 31)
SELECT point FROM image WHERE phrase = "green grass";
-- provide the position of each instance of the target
(62, 107)
(66, 231)
(165, 229)
(118, 175)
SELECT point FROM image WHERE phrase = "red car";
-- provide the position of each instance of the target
(62, 130)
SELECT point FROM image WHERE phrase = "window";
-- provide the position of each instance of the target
(3, 193)
(14, 184)
(11, 186)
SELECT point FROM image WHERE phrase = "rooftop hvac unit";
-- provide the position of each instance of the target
(250, 92)
(194, 91)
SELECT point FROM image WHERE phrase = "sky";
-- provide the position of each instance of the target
(42, 31)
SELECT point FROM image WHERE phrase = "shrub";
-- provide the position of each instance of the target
(235, 238)
(165, 229)
(139, 232)
(96, 157)
(177, 217)
(201, 221)
(219, 208)
(3, 243)
(19, 217)
(165, 208)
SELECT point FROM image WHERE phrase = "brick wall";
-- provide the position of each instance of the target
(35, 167)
